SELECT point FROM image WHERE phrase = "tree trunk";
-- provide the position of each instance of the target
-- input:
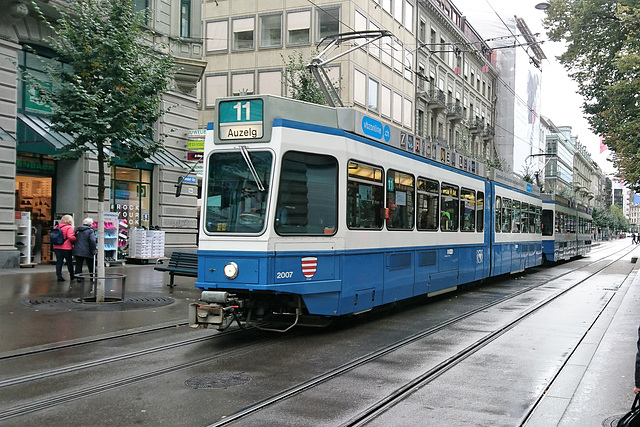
(101, 190)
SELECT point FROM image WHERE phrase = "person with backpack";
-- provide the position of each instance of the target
(85, 247)
(63, 248)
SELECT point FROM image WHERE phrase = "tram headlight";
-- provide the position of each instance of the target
(231, 270)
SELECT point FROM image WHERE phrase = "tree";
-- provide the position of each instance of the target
(300, 82)
(106, 87)
(603, 57)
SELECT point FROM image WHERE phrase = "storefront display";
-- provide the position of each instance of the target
(34, 194)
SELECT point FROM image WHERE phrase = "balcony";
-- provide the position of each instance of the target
(454, 111)
(476, 125)
(489, 132)
(437, 100)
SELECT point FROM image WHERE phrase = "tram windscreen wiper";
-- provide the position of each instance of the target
(247, 159)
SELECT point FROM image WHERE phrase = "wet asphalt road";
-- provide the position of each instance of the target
(177, 376)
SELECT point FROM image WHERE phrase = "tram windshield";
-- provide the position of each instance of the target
(236, 201)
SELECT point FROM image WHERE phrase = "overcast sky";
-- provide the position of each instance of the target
(560, 102)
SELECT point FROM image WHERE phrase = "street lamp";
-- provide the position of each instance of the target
(543, 6)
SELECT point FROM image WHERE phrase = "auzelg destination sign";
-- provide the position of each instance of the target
(241, 119)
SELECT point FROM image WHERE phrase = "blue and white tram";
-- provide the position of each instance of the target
(312, 211)
(517, 239)
(566, 229)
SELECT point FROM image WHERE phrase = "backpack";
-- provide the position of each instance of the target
(56, 237)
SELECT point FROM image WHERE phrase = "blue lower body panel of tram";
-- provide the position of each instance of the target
(336, 283)
(511, 257)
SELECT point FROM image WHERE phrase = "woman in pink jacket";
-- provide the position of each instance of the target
(63, 251)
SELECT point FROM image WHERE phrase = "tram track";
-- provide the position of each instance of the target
(63, 398)
(238, 350)
(401, 393)
(32, 351)
(428, 376)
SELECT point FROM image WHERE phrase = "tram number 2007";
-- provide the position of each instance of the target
(284, 274)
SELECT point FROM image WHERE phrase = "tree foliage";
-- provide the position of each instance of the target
(611, 218)
(300, 82)
(603, 57)
(105, 87)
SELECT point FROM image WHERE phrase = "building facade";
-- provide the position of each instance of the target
(429, 78)
(34, 180)
(456, 82)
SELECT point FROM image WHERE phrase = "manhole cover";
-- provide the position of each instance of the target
(612, 421)
(222, 380)
(133, 302)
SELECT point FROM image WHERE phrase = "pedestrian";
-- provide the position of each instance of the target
(85, 247)
(63, 251)
(633, 238)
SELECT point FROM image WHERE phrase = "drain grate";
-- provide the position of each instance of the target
(220, 380)
(133, 302)
(612, 421)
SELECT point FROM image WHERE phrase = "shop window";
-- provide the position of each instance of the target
(131, 195)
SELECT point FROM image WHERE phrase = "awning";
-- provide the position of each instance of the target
(4, 136)
(37, 137)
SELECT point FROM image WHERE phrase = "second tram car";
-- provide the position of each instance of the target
(566, 231)
(312, 212)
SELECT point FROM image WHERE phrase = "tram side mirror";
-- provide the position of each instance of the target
(178, 189)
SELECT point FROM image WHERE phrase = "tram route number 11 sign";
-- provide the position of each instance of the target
(241, 119)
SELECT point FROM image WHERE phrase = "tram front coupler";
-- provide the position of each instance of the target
(216, 309)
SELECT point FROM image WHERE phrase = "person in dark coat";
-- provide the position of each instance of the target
(85, 248)
(63, 251)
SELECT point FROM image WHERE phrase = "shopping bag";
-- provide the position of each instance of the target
(632, 418)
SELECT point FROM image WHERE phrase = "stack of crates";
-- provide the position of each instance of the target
(146, 243)
(138, 243)
(155, 239)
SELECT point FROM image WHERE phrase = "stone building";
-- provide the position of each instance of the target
(33, 180)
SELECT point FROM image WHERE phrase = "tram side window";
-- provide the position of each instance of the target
(525, 217)
(400, 200)
(480, 211)
(532, 219)
(428, 197)
(498, 214)
(559, 225)
(365, 196)
(515, 228)
(450, 202)
(467, 209)
(506, 215)
(547, 222)
(234, 203)
(307, 195)
(539, 221)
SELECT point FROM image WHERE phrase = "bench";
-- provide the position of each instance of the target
(180, 264)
